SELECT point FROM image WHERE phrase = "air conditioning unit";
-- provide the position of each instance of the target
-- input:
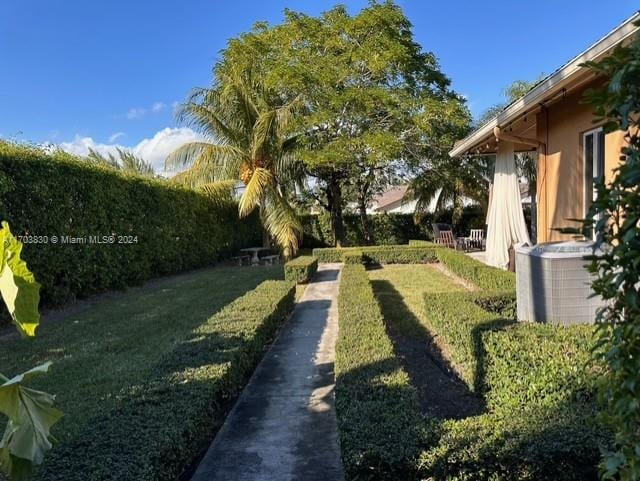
(553, 284)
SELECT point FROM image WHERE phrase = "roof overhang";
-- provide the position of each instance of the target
(568, 77)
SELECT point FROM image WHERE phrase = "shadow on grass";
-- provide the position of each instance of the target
(441, 392)
(380, 424)
(161, 426)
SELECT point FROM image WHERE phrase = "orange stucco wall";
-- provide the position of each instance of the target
(561, 170)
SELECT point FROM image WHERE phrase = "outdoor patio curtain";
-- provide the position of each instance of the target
(505, 219)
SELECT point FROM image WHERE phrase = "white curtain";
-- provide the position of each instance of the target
(505, 220)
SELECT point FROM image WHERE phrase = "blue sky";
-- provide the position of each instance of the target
(87, 73)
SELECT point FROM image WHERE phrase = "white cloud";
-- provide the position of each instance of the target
(116, 136)
(165, 141)
(157, 107)
(136, 113)
(154, 150)
(81, 146)
(139, 112)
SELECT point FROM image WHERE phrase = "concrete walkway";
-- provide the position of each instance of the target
(283, 427)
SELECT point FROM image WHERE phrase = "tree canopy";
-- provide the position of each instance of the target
(372, 100)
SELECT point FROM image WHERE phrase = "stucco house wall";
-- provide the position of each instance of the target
(560, 186)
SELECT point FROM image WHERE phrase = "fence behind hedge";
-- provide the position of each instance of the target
(146, 227)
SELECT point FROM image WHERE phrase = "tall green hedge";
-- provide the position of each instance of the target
(56, 194)
(387, 228)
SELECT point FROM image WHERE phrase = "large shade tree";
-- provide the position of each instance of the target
(372, 98)
(244, 126)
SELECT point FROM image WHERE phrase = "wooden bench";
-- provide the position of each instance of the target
(241, 260)
(269, 260)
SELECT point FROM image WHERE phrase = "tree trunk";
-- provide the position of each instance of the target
(335, 205)
(364, 218)
(266, 238)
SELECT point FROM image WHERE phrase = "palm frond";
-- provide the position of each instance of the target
(282, 223)
(220, 192)
(133, 164)
(255, 191)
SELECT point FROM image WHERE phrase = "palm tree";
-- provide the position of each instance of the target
(448, 184)
(245, 128)
(125, 161)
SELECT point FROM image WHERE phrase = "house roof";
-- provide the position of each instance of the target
(390, 196)
(568, 77)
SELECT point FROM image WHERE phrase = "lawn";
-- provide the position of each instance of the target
(110, 348)
(497, 399)
(400, 289)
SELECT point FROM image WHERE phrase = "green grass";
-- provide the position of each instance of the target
(400, 289)
(111, 347)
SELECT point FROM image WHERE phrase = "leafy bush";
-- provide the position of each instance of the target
(485, 277)
(387, 229)
(539, 388)
(422, 243)
(158, 428)
(168, 228)
(300, 269)
(401, 254)
(378, 417)
(458, 322)
(540, 396)
(617, 210)
(353, 257)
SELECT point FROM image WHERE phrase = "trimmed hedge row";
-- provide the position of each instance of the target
(402, 254)
(422, 243)
(538, 387)
(459, 321)
(300, 269)
(157, 429)
(485, 277)
(376, 405)
(158, 228)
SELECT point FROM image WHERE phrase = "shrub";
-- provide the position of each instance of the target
(387, 229)
(353, 257)
(458, 322)
(539, 390)
(158, 428)
(485, 277)
(422, 243)
(539, 425)
(378, 416)
(402, 254)
(300, 269)
(171, 228)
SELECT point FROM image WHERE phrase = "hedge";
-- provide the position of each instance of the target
(485, 277)
(159, 228)
(380, 254)
(387, 229)
(158, 428)
(538, 387)
(377, 408)
(300, 269)
(422, 243)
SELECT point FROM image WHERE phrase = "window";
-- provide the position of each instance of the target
(593, 157)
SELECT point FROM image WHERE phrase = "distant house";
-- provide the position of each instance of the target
(392, 201)
(572, 149)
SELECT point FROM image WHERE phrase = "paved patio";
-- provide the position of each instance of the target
(283, 426)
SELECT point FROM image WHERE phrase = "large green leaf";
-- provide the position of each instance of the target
(31, 415)
(18, 287)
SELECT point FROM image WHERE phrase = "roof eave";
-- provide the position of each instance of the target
(549, 86)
